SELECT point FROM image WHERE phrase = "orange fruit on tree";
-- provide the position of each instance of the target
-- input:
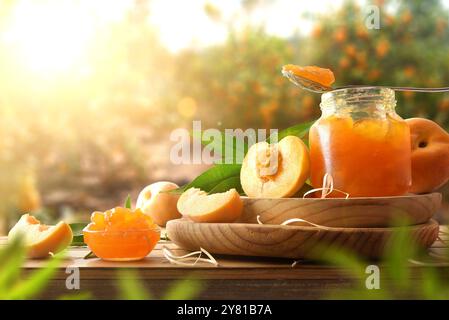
(430, 155)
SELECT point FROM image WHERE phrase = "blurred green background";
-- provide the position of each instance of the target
(90, 90)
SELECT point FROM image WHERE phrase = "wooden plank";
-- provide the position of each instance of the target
(222, 289)
(237, 277)
(349, 213)
(155, 266)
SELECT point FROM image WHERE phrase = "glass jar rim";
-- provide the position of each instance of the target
(354, 95)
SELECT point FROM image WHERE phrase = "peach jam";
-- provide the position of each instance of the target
(362, 143)
(121, 234)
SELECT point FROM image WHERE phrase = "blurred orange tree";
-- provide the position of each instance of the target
(86, 134)
(96, 133)
(410, 49)
(243, 77)
(239, 84)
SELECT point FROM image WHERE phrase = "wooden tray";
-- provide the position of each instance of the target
(294, 242)
(350, 213)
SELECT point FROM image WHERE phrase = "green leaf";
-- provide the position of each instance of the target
(213, 177)
(226, 145)
(299, 130)
(128, 202)
(90, 255)
(77, 228)
(186, 289)
(223, 177)
(78, 242)
(228, 184)
(78, 237)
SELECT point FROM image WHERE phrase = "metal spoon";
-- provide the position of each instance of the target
(316, 87)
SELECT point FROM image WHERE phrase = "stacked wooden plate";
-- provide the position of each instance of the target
(361, 225)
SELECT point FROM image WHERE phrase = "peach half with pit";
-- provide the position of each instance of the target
(275, 170)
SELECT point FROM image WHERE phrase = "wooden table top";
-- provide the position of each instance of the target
(251, 270)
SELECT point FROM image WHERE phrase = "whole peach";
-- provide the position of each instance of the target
(158, 204)
(430, 155)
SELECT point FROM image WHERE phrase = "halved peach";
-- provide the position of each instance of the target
(40, 239)
(275, 170)
(218, 207)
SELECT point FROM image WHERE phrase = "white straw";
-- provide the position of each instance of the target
(327, 188)
(192, 256)
(293, 220)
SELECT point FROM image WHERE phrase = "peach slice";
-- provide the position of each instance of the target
(159, 205)
(275, 170)
(218, 207)
(40, 239)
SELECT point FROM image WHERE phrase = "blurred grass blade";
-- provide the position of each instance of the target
(130, 287)
(356, 267)
(10, 270)
(11, 260)
(186, 289)
(9, 249)
(345, 259)
(32, 286)
(77, 296)
(399, 250)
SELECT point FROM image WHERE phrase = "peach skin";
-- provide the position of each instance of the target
(430, 155)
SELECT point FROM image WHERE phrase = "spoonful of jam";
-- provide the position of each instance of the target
(320, 80)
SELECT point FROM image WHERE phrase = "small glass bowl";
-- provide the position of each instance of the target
(126, 245)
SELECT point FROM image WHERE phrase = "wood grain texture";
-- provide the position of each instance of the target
(236, 277)
(349, 213)
(296, 242)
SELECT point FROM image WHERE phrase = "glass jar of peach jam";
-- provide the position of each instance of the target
(361, 143)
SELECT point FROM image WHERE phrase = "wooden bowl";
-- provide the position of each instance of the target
(290, 241)
(349, 213)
